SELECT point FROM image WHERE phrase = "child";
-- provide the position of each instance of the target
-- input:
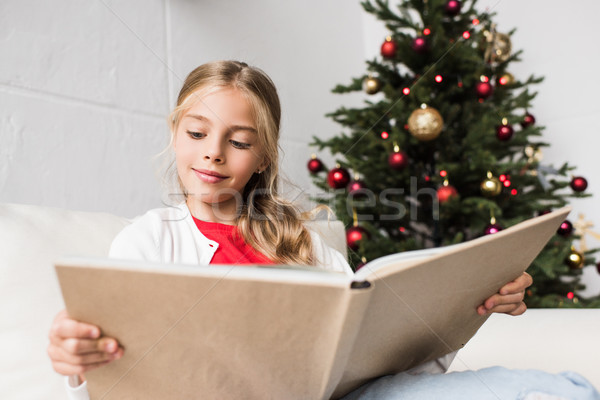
(224, 134)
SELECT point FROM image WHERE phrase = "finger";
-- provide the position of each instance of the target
(511, 309)
(65, 327)
(498, 299)
(59, 354)
(86, 346)
(518, 285)
(69, 369)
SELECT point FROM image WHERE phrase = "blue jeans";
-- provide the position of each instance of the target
(495, 383)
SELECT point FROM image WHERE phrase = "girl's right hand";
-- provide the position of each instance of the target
(76, 347)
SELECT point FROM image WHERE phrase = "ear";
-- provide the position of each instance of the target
(262, 166)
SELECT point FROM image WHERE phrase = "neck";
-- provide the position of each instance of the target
(224, 213)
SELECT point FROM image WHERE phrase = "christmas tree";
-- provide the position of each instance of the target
(446, 149)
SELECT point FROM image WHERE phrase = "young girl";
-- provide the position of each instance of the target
(224, 134)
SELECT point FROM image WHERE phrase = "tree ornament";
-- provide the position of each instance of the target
(315, 165)
(354, 235)
(498, 47)
(388, 48)
(565, 229)
(507, 79)
(420, 45)
(425, 123)
(446, 191)
(398, 160)
(492, 228)
(484, 88)
(578, 183)
(372, 85)
(452, 7)
(575, 259)
(528, 120)
(491, 186)
(583, 228)
(356, 185)
(362, 263)
(504, 132)
(338, 177)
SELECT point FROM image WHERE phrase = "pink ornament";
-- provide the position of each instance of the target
(419, 45)
(484, 90)
(579, 184)
(452, 7)
(492, 228)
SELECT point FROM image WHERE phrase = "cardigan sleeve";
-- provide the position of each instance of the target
(137, 241)
(327, 257)
(75, 389)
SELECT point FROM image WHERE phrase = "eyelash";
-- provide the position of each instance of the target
(236, 144)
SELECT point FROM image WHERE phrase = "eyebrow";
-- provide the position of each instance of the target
(232, 128)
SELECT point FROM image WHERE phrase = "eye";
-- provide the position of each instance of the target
(195, 135)
(240, 145)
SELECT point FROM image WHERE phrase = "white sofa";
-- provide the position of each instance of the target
(32, 237)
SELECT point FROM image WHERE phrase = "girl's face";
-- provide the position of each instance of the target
(216, 152)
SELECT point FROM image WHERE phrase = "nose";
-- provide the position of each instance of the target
(214, 151)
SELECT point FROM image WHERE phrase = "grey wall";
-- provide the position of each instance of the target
(85, 86)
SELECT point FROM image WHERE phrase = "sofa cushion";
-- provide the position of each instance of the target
(31, 238)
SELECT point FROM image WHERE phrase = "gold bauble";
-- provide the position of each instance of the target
(501, 47)
(491, 186)
(425, 123)
(372, 85)
(574, 260)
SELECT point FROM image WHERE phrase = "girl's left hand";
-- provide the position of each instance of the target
(509, 299)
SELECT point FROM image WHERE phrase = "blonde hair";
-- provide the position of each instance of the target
(266, 221)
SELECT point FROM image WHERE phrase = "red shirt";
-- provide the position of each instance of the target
(231, 250)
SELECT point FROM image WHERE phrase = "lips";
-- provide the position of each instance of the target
(209, 172)
(209, 176)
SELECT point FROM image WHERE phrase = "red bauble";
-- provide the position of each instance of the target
(360, 265)
(315, 165)
(492, 228)
(354, 235)
(578, 184)
(398, 160)
(484, 90)
(419, 45)
(355, 186)
(565, 228)
(338, 178)
(445, 192)
(528, 120)
(504, 132)
(388, 48)
(452, 7)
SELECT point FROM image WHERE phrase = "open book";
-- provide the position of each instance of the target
(289, 333)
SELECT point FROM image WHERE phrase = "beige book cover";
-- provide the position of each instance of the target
(252, 332)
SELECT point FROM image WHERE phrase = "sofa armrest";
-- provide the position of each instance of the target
(551, 340)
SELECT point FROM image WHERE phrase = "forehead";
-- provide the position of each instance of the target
(225, 105)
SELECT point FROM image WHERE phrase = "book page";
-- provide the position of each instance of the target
(425, 307)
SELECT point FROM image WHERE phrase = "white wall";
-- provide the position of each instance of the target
(85, 86)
